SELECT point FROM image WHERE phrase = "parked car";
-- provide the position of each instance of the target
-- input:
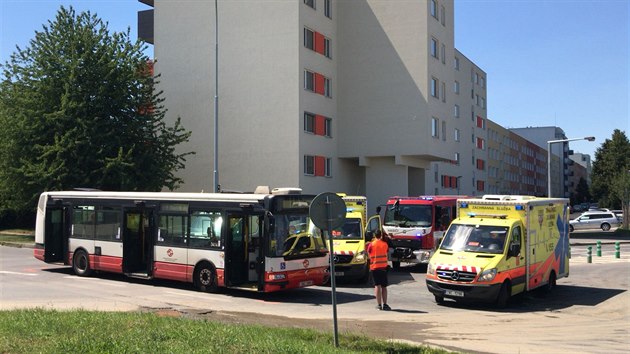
(618, 214)
(602, 219)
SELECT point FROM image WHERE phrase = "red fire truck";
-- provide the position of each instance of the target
(416, 225)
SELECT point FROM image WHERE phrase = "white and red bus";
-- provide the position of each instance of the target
(416, 225)
(259, 241)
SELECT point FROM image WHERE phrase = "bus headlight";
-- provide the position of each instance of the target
(488, 275)
(360, 257)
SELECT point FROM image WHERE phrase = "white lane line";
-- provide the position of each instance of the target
(102, 281)
(17, 273)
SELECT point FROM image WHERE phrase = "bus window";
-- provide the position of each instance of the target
(205, 229)
(83, 222)
(172, 230)
(108, 224)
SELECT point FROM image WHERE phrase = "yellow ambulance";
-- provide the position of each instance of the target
(349, 241)
(500, 246)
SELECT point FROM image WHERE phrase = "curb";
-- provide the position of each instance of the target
(17, 244)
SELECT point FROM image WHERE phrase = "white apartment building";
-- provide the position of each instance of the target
(364, 97)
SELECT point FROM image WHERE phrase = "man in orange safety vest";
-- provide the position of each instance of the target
(377, 250)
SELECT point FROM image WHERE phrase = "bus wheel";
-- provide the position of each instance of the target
(504, 296)
(205, 278)
(81, 264)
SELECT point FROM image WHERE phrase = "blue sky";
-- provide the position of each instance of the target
(549, 62)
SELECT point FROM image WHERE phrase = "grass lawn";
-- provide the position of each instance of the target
(17, 236)
(49, 331)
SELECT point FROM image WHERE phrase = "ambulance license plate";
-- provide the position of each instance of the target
(306, 283)
(339, 274)
(457, 293)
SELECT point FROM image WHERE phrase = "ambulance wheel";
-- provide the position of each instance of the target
(439, 299)
(551, 284)
(205, 278)
(81, 264)
(605, 227)
(396, 265)
(504, 296)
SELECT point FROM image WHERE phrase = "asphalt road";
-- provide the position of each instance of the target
(589, 312)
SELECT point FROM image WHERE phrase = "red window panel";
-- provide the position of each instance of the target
(444, 181)
(319, 83)
(480, 164)
(320, 165)
(320, 125)
(479, 122)
(454, 181)
(319, 43)
(480, 186)
(480, 143)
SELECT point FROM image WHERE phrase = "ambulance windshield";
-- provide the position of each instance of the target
(475, 238)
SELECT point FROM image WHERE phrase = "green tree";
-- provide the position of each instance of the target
(612, 163)
(78, 108)
(582, 193)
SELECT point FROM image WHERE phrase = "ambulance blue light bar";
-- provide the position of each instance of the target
(463, 205)
(519, 207)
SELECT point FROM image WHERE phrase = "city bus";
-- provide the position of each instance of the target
(262, 241)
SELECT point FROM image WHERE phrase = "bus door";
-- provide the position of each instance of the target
(138, 240)
(55, 237)
(244, 262)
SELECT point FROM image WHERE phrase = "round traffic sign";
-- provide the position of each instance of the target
(328, 210)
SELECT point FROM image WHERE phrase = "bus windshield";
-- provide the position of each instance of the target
(351, 230)
(475, 238)
(408, 215)
(295, 236)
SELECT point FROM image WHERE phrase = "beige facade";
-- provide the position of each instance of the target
(364, 97)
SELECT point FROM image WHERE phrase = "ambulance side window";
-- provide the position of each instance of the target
(516, 240)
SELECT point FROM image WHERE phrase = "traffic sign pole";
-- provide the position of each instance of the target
(332, 269)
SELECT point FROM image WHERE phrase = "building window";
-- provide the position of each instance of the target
(456, 63)
(443, 130)
(480, 186)
(481, 144)
(328, 8)
(457, 158)
(435, 87)
(481, 123)
(327, 87)
(434, 127)
(443, 92)
(310, 3)
(317, 166)
(456, 111)
(483, 102)
(309, 122)
(309, 39)
(309, 80)
(309, 165)
(317, 124)
(481, 165)
(443, 15)
(327, 50)
(483, 82)
(456, 87)
(443, 53)
(434, 48)
(457, 134)
(434, 8)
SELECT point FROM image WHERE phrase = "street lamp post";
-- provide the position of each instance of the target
(589, 138)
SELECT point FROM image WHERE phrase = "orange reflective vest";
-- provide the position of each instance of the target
(378, 254)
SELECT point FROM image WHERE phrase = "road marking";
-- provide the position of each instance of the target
(17, 273)
(102, 281)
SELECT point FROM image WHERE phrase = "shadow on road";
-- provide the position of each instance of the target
(562, 297)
